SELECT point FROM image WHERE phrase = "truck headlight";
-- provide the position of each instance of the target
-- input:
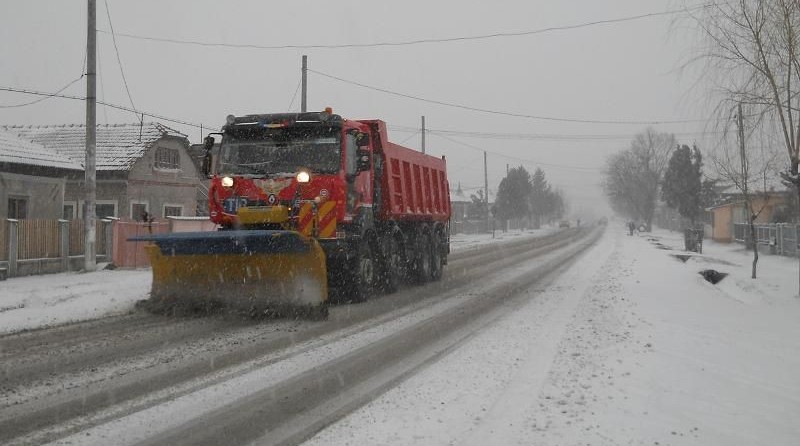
(227, 182)
(303, 177)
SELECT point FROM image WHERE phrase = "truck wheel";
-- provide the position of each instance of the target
(394, 267)
(363, 274)
(437, 267)
(422, 267)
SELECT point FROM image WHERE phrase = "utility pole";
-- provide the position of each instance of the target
(423, 134)
(742, 153)
(89, 245)
(304, 85)
(746, 192)
(486, 189)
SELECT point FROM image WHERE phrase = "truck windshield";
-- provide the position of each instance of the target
(283, 150)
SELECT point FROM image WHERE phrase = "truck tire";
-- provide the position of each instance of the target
(362, 277)
(422, 261)
(437, 266)
(393, 266)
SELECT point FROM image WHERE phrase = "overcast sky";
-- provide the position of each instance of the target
(623, 71)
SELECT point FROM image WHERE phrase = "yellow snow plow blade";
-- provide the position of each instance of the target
(263, 272)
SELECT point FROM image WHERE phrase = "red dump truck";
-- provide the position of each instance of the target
(307, 201)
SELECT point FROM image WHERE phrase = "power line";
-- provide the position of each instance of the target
(119, 60)
(99, 59)
(539, 136)
(499, 112)
(294, 96)
(107, 104)
(559, 166)
(46, 96)
(410, 136)
(412, 42)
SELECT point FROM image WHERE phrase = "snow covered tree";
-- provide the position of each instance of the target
(682, 184)
(540, 197)
(479, 208)
(633, 176)
(513, 195)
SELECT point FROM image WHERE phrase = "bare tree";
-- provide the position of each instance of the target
(633, 176)
(752, 172)
(752, 50)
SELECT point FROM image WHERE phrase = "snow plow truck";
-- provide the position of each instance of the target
(307, 202)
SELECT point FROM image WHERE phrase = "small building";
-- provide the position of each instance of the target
(142, 168)
(466, 215)
(33, 179)
(733, 211)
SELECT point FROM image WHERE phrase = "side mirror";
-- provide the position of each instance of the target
(362, 159)
(206, 168)
(208, 144)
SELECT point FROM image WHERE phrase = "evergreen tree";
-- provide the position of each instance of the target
(682, 187)
(540, 197)
(513, 194)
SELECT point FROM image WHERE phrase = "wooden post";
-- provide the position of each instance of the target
(108, 232)
(63, 236)
(13, 246)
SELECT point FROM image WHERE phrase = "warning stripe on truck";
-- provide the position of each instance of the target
(326, 219)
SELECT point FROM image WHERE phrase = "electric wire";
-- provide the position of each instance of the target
(415, 41)
(46, 96)
(100, 78)
(542, 136)
(108, 104)
(294, 96)
(524, 160)
(409, 137)
(504, 113)
(119, 60)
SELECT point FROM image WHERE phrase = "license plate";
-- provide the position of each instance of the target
(231, 205)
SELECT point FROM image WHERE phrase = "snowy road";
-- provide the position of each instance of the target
(121, 374)
(629, 346)
(625, 344)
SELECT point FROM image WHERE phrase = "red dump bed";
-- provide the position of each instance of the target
(415, 185)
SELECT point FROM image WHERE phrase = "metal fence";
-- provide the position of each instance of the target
(780, 238)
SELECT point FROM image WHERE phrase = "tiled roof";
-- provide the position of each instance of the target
(18, 151)
(119, 146)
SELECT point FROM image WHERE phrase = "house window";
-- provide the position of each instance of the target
(69, 211)
(172, 211)
(139, 211)
(18, 208)
(105, 210)
(167, 158)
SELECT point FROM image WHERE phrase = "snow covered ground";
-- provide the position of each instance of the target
(630, 346)
(39, 301)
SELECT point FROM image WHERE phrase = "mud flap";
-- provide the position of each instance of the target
(260, 272)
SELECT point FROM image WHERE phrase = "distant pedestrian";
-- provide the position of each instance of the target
(631, 227)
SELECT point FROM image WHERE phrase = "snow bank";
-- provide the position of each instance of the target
(38, 301)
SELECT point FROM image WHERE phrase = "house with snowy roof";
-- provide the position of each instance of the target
(32, 178)
(769, 200)
(141, 168)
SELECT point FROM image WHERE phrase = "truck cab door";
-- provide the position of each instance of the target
(358, 172)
